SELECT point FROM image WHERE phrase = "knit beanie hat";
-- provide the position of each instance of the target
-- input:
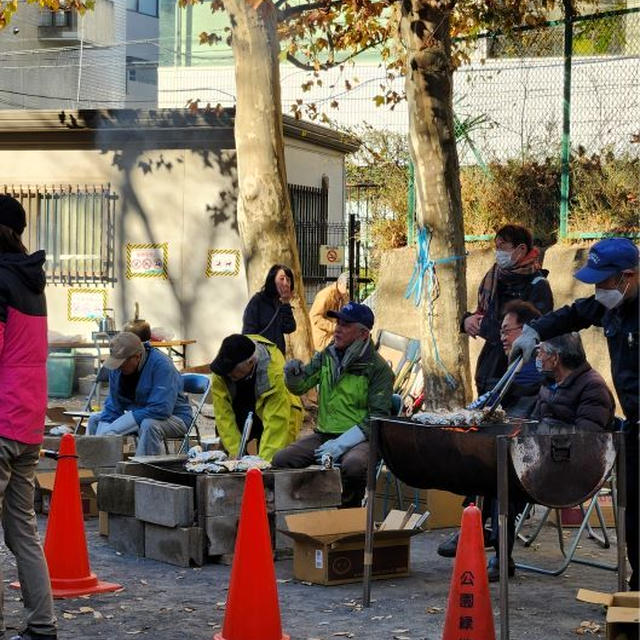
(12, 214)
(234, 349)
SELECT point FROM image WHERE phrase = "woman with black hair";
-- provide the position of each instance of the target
(269, 313)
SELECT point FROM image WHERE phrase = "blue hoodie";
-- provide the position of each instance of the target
(159, 392)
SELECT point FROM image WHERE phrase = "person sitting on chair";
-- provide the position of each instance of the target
(248, 377)
(145, 396)
(576, 394)
(353, 382)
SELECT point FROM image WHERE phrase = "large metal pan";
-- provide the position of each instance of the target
(559, 467)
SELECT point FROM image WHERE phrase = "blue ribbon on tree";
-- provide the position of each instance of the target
(425, 270)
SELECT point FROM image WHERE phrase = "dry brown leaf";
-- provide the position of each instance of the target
(434, 609)
(68, 616)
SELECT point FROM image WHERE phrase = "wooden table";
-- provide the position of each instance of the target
(175, 348)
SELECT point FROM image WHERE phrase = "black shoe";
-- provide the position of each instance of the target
(29, 634)
(493, 569)
(448, 548)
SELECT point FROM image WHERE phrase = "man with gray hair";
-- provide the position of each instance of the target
(145, 396)
(576, 394)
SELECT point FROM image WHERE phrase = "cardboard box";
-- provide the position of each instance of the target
(88, 491)
(623, 612)
(445, 507)
(329, 546)
(572, 516)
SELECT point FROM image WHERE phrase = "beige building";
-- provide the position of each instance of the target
(136, 206)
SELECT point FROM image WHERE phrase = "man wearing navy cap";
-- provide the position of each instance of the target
(353, 382)
(612, 267)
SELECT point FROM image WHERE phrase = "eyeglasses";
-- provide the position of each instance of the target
(504, 332)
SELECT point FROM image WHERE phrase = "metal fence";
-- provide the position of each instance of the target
(75, 225)
(552, 90)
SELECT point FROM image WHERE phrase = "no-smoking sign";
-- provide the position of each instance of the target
(331, 256)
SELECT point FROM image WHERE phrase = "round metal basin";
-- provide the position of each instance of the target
(560, 469)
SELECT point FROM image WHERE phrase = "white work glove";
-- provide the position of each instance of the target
(293, 369)
(337, 447)
(124, 425)
(525, 344)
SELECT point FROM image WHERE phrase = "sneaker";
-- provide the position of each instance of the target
(448, 548)
(29, 634)
(493, 569)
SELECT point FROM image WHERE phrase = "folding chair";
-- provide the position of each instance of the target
(193, 384)
(101, 377)
(569, 555)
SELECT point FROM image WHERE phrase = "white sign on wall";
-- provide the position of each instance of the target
(331, 256)
(86, 304)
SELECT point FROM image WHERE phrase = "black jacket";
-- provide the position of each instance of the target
(582, 399)
(492, 361)
(269, 318)
(621, 330)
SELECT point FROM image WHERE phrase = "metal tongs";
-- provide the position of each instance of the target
(498, 392)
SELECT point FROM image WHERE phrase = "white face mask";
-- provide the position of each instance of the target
(609, 298)
(504, 259)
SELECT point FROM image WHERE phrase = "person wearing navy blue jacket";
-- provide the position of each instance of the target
(145, 396)
(612, 267)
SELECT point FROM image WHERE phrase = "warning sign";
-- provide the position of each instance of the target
(331, 256)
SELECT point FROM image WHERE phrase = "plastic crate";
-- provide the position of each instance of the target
(60, 372)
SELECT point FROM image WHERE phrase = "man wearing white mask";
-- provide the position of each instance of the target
(612, 266)
(515, 275)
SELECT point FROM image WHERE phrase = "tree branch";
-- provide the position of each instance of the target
(292, 12)
(328, 65)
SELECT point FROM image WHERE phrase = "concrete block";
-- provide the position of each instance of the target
(126, 534)
(177, 545)
(306, 488)
(93, 451)
(169, 505)
(220, 533)
(116, 494)
(221, 494)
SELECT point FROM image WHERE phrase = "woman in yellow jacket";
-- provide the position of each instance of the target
(248, 375)
(331, 298)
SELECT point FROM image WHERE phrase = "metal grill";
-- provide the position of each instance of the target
(76, 228)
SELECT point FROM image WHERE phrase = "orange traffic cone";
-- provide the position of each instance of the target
(65, 545)
(252, 604)
(469, 611)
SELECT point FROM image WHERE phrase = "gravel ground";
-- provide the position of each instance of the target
(166, 602)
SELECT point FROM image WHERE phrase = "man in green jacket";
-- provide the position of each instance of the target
(248, 376)
(353, 382)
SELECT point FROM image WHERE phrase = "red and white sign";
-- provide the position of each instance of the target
(331, 256)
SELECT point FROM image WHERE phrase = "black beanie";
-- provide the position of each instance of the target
(233, 350)
(12, 214)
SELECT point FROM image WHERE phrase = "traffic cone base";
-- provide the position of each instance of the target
(75, 588)
(252, 610)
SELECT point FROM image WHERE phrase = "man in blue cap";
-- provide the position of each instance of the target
(353, 383)
(612, 267)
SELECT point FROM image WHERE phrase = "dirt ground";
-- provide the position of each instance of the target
(165, 602)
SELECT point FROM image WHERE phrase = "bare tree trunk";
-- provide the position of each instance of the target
(265, 219)
(424, 28)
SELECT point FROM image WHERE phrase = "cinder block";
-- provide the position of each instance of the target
(116, 494)
(306, 488)
(221, 494)
(221, 531)
(126, 534)
(169, 505)
(177, 545)
(93, 451)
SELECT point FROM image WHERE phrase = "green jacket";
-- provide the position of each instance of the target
(348, 391)
(279, 411)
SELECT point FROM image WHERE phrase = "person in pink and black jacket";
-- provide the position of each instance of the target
(23, 405)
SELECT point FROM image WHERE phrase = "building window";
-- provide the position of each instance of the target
(75, 226)
(146, 7)
(55, 18)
